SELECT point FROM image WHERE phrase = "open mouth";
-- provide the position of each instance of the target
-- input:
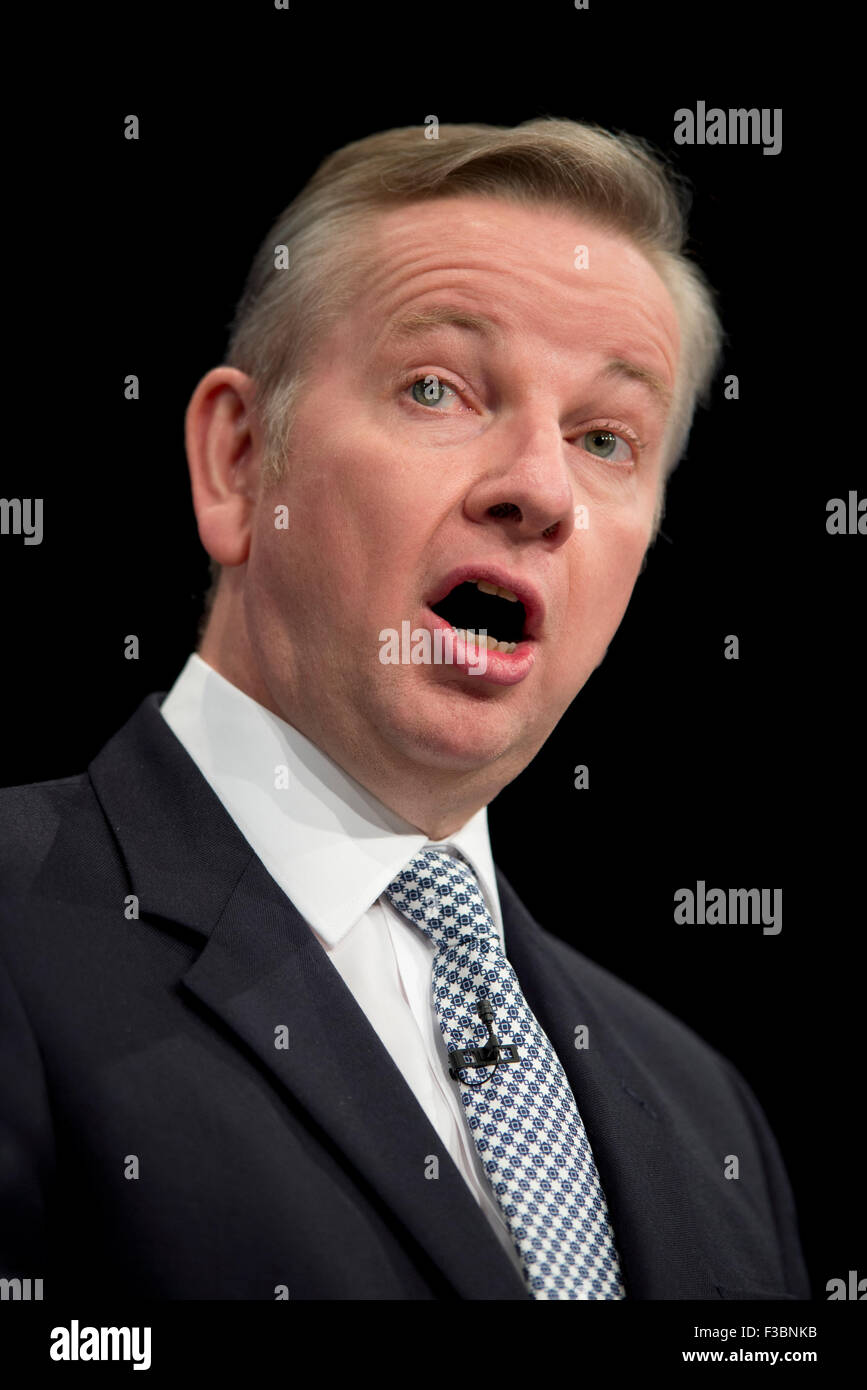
(478, 605)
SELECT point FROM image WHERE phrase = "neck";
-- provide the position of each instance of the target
(437, 801)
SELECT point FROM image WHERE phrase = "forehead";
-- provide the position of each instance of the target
(518, 265)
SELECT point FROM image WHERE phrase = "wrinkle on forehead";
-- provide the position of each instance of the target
(516, 265)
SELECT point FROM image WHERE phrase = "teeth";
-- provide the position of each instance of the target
(488, 588)
(490, 642)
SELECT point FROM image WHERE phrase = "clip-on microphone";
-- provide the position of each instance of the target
(490, 1054)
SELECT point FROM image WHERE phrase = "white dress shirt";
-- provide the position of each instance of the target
(333, 848)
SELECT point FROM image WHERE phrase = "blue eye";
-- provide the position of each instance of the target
(600, 442)
(603, 444)
(431, 390)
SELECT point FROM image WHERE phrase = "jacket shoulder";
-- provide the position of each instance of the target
(36, 820)
(652, 1045)
(632, 1013)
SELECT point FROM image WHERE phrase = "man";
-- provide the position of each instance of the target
(274, 1025)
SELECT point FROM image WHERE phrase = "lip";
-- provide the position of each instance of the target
(500, 668)
(534, 605)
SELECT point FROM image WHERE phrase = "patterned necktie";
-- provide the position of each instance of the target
(522, 1115)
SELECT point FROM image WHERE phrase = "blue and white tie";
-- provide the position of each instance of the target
(522, 1116)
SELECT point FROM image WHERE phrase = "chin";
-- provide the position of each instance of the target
(468, 738)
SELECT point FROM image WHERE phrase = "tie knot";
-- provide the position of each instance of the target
(441, 894)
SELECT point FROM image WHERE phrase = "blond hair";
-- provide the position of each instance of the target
(615, 179)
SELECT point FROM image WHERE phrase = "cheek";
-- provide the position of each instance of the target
(604, 578)
(346, 541)
(368, 508)
(348, 479)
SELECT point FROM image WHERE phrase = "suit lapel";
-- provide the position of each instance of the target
(261, 969)
(659, 1232)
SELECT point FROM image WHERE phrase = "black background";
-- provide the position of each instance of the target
(128, 258)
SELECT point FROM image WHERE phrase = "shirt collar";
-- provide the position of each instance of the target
(329, 843)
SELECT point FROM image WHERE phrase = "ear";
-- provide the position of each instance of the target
(224, 452)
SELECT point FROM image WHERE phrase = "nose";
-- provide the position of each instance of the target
(528, 486)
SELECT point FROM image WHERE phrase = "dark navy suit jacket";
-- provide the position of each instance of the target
(148, 1046)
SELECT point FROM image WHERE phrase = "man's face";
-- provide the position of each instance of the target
(394, 492)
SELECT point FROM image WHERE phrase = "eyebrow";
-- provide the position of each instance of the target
(422, 321)
(443, 316)
(620, 367)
